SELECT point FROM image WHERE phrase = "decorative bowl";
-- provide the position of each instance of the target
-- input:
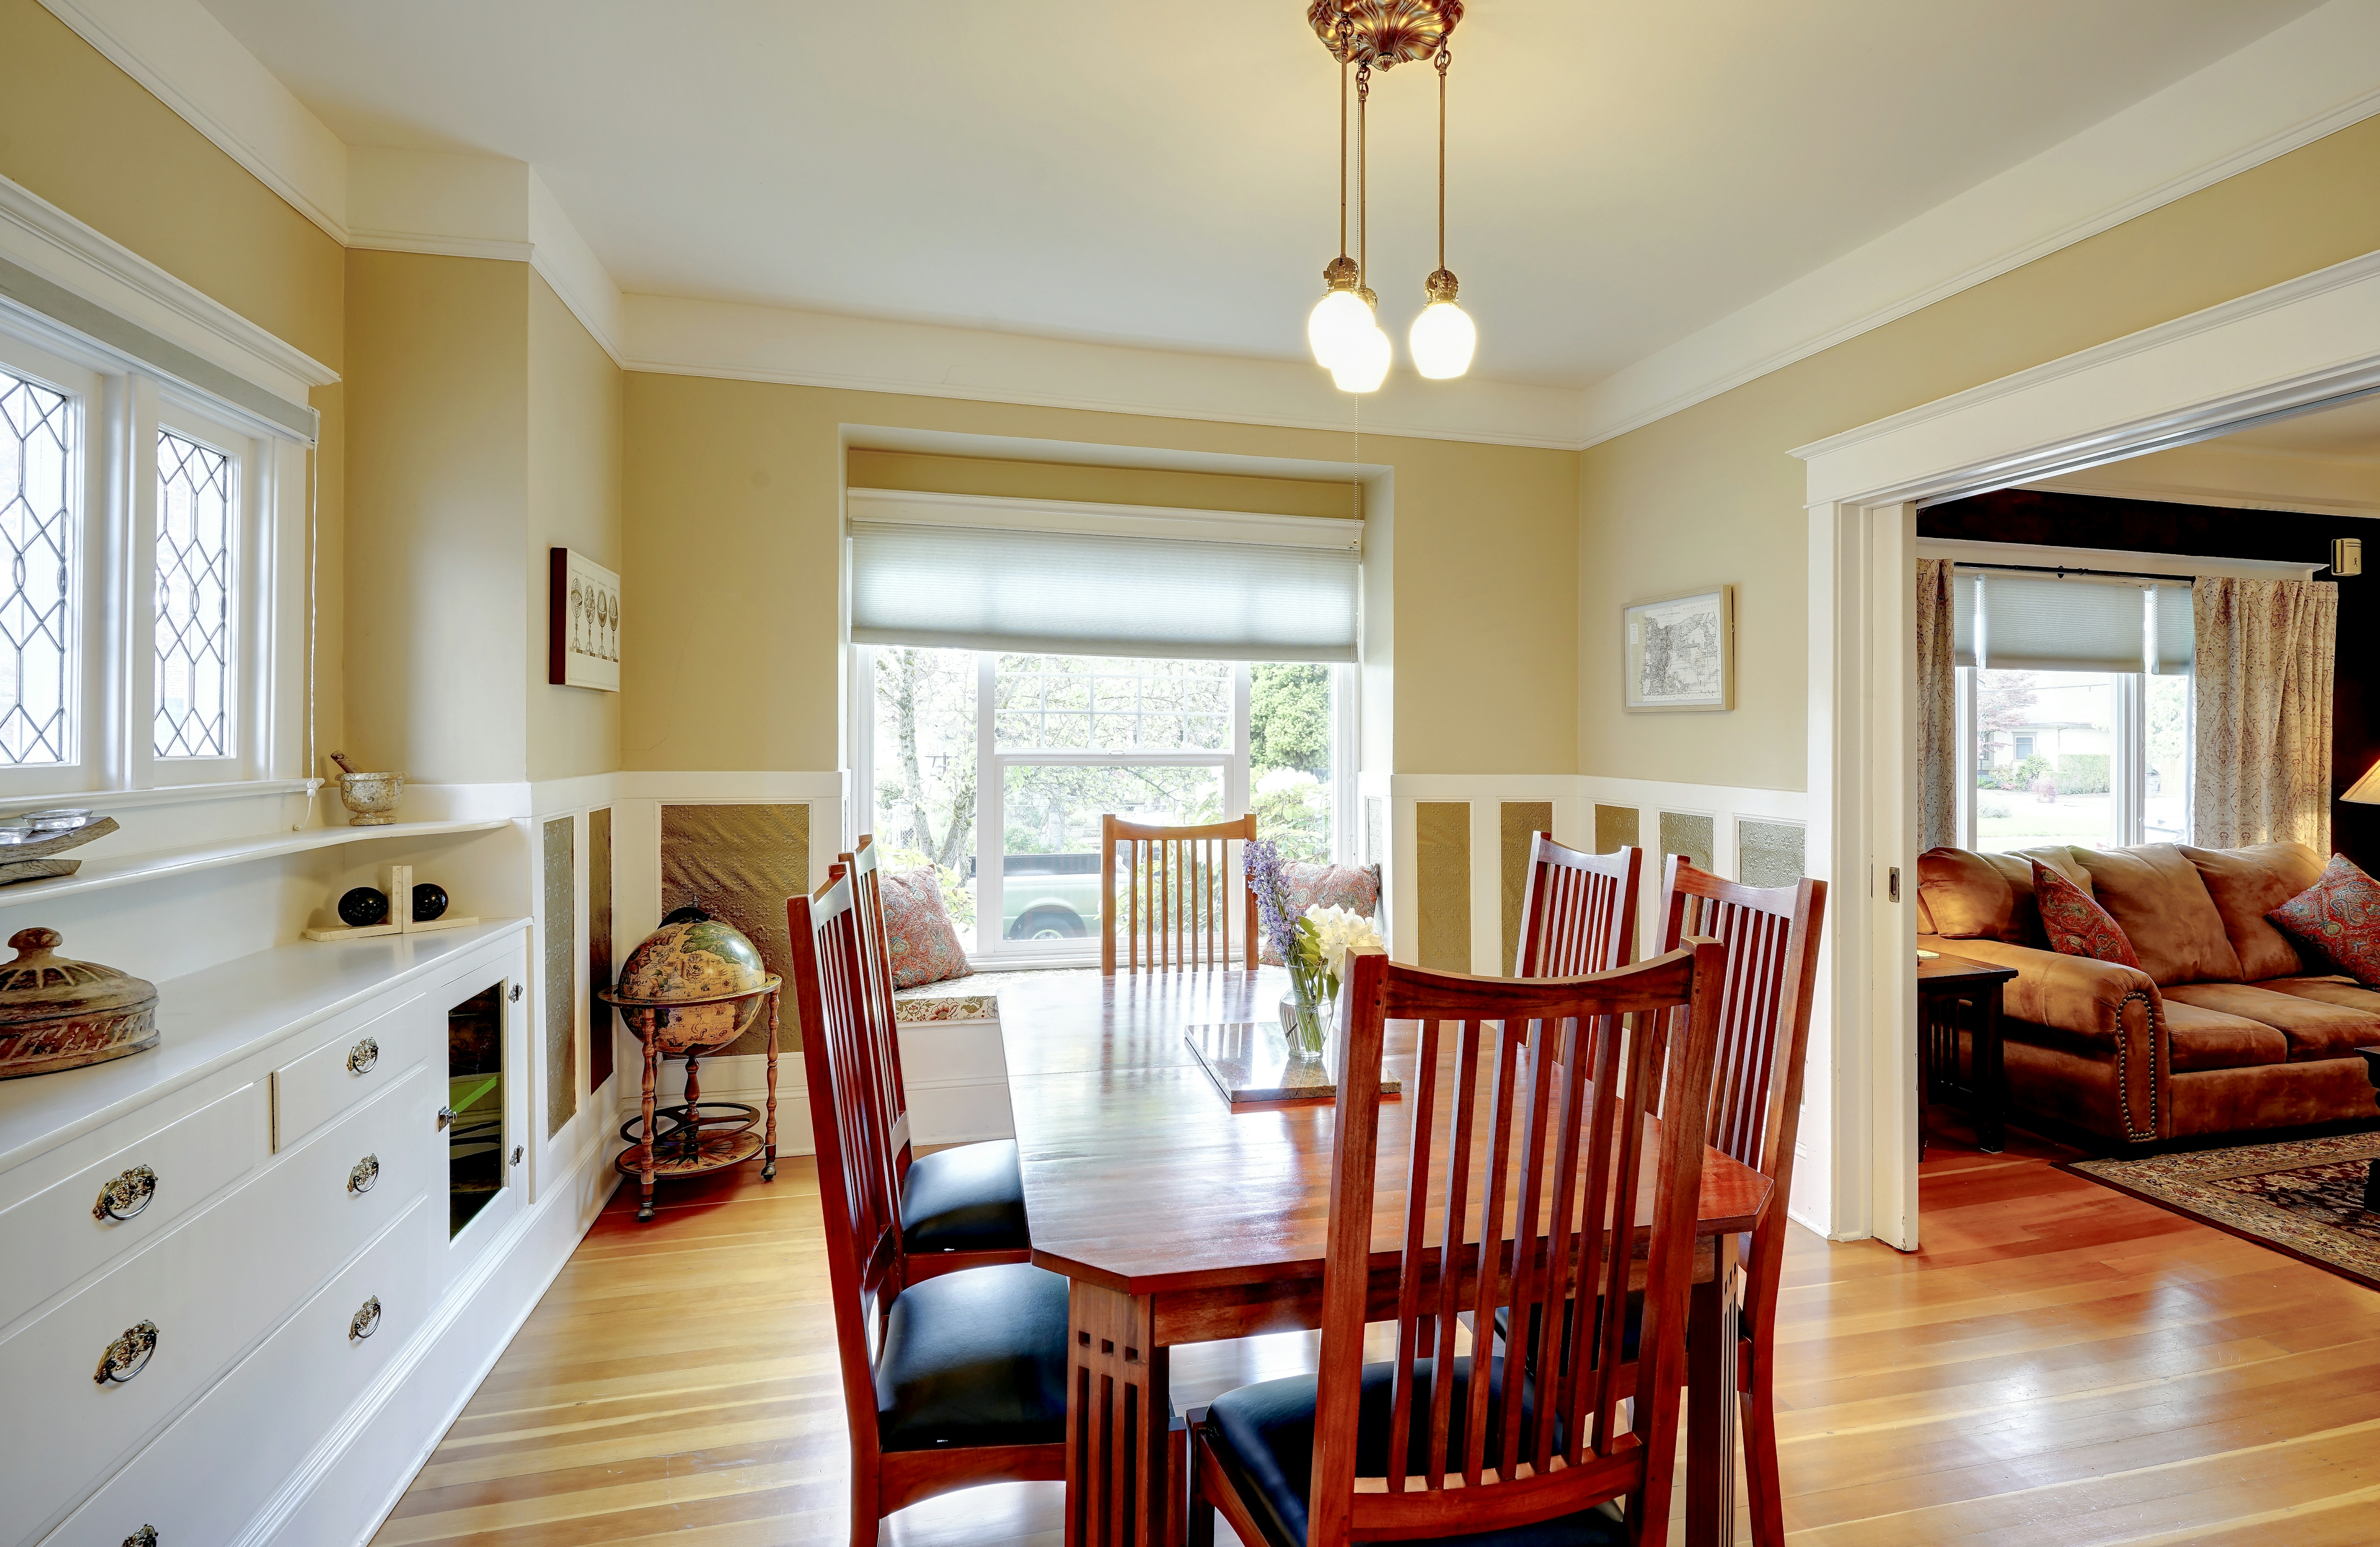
(59, 1014)
(371, 798)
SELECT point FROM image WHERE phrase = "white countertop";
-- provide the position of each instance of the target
(212, 1019)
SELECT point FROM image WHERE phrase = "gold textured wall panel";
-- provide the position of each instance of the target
(1616, 827)
(1768, 853)
(561, 974)
(599, 946)
(741, 863)
(1692, 834)
(1521, 818)
(1442, 882)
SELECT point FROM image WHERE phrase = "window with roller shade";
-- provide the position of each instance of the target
(2074, 697)
(1023, 667)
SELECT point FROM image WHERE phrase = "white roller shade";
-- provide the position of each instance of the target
(2071, 623)
(967, 572)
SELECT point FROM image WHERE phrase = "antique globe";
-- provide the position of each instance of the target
(695, 959)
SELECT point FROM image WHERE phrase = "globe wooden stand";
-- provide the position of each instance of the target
(700, 1137)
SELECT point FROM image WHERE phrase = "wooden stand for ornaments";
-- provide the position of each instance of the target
(396, 883)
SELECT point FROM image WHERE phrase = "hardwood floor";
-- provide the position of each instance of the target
(2060, 1364)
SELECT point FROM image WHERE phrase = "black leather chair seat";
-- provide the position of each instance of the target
(967, 1198)
(976, 1357)
(1263, 1435)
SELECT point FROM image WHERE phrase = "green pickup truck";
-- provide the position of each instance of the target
(1049, 896)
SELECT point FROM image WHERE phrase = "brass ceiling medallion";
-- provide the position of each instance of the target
(1343, 329)
(1383, 33)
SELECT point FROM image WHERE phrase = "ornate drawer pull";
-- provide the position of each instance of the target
(128, 1356)
(125, 1196)
(145, 1537)
(365, 1176)
(366, 1320)
(363, 1056)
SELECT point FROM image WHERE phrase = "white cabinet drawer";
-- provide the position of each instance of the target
(222, 1462)
(358, 1062)
(51, 1239)
(209, 1287)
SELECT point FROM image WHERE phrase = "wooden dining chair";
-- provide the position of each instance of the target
(961, 1207)
(1578, 911)
(959, 1379)
(1536, 1141)
(1181, 888)
(1770, 937)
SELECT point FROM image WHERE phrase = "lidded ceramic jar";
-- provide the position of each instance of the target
(57, 1013)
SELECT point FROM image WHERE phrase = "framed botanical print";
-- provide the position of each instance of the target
(583, 623)
(1678, 653)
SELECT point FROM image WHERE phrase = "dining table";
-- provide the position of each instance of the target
(1179, 1220)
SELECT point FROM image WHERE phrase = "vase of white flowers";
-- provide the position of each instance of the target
(1314, 948)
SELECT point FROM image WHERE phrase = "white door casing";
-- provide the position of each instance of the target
(2286, 350)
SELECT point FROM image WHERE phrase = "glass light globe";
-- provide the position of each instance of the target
(1442, 340)
(1365, 365)
(1334, 323)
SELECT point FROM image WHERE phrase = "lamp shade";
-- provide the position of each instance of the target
(1442, 339)
(1365, 363)
(2366, 790)
(1335, 325)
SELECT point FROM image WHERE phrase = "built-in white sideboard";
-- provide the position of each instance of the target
(248, 1278)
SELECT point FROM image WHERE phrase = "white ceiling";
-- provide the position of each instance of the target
(2352, 430)
(1622, 173)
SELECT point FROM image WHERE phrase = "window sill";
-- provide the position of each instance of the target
(166, 795)
(99, 875)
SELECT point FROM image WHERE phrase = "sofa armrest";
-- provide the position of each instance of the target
(2109, 1005)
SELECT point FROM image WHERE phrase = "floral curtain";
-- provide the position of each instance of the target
(2262, 697)
(1938, 709)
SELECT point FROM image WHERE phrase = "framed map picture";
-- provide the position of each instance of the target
(1678, 653)
(583, 623)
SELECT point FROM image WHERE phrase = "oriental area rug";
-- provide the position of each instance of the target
(2304, 1196)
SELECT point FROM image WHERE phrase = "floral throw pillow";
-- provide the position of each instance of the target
(2340, 917)
(918, 934)
(2078, 926)
(1354, 887)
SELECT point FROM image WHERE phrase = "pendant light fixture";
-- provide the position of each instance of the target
(1443, 336)
(1344, 330)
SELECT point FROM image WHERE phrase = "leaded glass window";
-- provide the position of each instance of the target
(37, 474)
(194, 540)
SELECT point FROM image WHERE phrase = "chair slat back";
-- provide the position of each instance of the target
(1528, 1104)
(857, 1190)
(1168, 894)
(883, 1027)
(1578, 911)
(1771, 937)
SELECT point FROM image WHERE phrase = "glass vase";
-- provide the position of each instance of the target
(1306, 1017)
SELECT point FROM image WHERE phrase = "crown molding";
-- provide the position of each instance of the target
(37, 236)
(2274, 353)
(738, 342)
(192, 64)
(2285, 91)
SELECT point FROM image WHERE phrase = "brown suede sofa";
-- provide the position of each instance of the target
(2226, 1028)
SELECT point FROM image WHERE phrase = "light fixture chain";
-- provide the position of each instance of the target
(1445, 57)
(1363, 181)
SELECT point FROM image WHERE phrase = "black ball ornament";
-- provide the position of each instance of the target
(363, 906)
(428, 901)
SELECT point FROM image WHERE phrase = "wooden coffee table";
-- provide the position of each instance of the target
(1954, 995)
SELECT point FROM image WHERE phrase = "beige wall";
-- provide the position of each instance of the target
(437, 561)
(733, 500)
(1711, 494)
(90, 140)
(864, 467)
(574, 502)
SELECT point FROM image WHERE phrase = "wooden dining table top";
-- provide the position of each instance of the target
(1139, 1177)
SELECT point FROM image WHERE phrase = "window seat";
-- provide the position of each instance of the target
(975, 996)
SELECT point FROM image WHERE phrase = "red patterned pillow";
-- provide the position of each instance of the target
(2340, 917)
(2078, 926)
(918, 934)
(1356, 888)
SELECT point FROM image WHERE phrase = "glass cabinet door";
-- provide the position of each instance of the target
(475, 1094)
